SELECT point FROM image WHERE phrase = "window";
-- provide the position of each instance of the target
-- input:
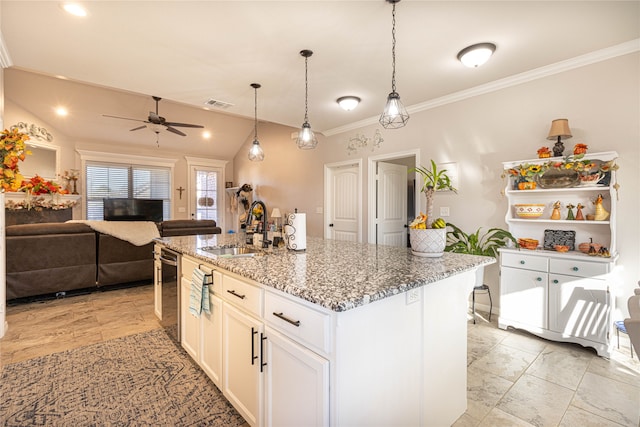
(207, 194)
(113, 180)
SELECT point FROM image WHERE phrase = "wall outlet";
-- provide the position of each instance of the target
(413, 295)
(319, 209)
(444, 211)
(182, 209)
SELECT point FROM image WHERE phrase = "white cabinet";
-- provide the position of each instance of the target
(563, 296)
(243, 347)
(189, 324)
(157, 285)
(211, 340)
(297, 384)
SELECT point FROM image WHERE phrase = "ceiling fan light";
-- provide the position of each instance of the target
(256, 154)
(306, 138)
(476, 55)
(348, 103)
(394, 115)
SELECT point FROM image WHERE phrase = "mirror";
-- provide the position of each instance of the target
(44, 161)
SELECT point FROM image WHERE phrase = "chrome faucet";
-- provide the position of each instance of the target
(265, 237)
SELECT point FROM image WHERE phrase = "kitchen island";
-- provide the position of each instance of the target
(343, 334)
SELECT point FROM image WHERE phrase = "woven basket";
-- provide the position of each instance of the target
(428, 242)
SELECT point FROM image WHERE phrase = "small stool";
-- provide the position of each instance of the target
(477, 288)
(619, 324)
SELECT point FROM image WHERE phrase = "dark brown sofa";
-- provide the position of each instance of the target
(50, 258)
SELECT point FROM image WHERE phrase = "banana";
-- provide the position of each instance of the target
(439, 223)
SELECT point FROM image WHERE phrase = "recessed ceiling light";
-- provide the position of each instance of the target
(61, 111)
(206, 134)
(348, 103)
(75, 9)
(477, 54)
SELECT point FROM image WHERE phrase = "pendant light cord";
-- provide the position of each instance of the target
(393, 48)
(306, 89)
(255, 114)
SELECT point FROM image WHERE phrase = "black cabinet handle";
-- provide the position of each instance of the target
(262, 363)
(286, 319)
(232, 292)
(253, 349)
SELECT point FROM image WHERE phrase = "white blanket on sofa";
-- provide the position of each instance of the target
(138, 233)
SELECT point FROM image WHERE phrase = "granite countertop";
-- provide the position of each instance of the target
(334, 274)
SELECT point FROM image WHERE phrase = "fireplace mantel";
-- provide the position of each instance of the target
(20, 201)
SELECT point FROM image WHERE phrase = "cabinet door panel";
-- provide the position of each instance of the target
(189, 324)
(242, 378)
(523, 296)
(211, 340)
(157, 288)
(579, 307)
(297, 384)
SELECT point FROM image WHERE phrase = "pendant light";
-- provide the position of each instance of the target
(255, 152)
(394, 115)
(306, 138)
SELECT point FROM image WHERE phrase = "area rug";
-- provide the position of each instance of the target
(139, 380)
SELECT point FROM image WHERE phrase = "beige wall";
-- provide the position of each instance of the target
(601, 101)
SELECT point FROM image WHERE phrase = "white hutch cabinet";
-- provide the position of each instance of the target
(562, 296)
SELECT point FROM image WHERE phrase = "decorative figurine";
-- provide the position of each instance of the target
(579, 216)
(555, 214)
(544, 152)
(580, 149)
(570, 216)
(601, 213)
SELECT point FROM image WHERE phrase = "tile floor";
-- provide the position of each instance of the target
(514, 378)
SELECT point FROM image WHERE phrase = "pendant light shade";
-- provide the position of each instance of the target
(256, 154)
(306, 138)
(394, 115)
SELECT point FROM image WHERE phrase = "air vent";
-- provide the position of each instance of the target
(218, 104)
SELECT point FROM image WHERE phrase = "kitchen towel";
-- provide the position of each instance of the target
(199, 295)
(296, 231)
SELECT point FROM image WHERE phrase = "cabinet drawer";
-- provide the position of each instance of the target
(190, 264)
(242, 294)
(577, 268)
(528, 262)
(301, 323)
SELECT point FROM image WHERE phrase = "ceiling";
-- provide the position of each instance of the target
(188, 52)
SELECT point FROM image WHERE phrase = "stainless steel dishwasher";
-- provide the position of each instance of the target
(170, 292)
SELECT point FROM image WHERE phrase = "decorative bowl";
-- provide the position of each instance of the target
(528, 243)
(529, 210)
(591, 180)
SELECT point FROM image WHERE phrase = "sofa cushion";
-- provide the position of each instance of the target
(184, 227)
(47, 228)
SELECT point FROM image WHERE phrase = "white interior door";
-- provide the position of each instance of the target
(205, 199)
(344, 203)
(391, 208)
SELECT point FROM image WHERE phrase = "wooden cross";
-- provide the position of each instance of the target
(180, 190)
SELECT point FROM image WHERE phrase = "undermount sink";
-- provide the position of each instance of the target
(231, 252)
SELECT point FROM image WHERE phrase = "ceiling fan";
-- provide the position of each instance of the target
(155, 121)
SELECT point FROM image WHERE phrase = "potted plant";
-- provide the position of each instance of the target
(486, 244)
(428, 235)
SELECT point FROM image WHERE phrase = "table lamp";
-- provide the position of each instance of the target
(275, 214)
(559, 129)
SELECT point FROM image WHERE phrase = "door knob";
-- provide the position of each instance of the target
(331, 225)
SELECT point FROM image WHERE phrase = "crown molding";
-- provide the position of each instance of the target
(5, 59)
(626, 48)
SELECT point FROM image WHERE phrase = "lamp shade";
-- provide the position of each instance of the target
(275, 213)
(559, 129)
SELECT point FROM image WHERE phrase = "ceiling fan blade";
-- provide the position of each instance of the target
(124, 118)
(184, 125)
(176, 131)
(138, 128)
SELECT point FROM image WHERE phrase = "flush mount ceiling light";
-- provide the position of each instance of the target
(75, 9)
(255, 152)
(348, 103)
(477, 54)
(394, 115)
(306, 138)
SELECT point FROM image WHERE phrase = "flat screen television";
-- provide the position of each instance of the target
(133, 210)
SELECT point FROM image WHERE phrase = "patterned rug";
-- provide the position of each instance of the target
(140, 380)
